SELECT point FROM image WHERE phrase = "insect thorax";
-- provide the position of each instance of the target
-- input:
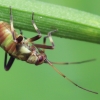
(24, 53)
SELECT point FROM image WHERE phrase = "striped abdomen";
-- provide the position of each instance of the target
(7, 43)
(6, 39)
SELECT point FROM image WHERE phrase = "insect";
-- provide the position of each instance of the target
(25, 49)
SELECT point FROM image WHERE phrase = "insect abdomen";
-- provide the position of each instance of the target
(6, 40)
(8, 44)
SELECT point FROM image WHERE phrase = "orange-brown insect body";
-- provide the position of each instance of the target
(6, 40)
(10, 46)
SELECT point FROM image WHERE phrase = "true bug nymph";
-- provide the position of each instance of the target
(19, 47)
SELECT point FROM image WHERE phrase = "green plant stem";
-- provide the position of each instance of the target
(70, 23)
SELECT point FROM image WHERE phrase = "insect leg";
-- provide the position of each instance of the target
(8, 65)
(11, 24)
(44, 42)
(50, 38)
(37, 30)
(21, 32)
(43, 46)
(68, 78)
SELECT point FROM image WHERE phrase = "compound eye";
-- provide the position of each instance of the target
(40, 58)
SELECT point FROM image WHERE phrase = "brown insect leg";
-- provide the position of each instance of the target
(43, 46)
(8, 65)
(11, 24)
(37, 30)
(50, 38)
(44, 42)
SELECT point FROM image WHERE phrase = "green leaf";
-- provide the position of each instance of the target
(71, 23)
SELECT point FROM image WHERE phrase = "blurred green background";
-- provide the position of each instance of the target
(29, 82)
